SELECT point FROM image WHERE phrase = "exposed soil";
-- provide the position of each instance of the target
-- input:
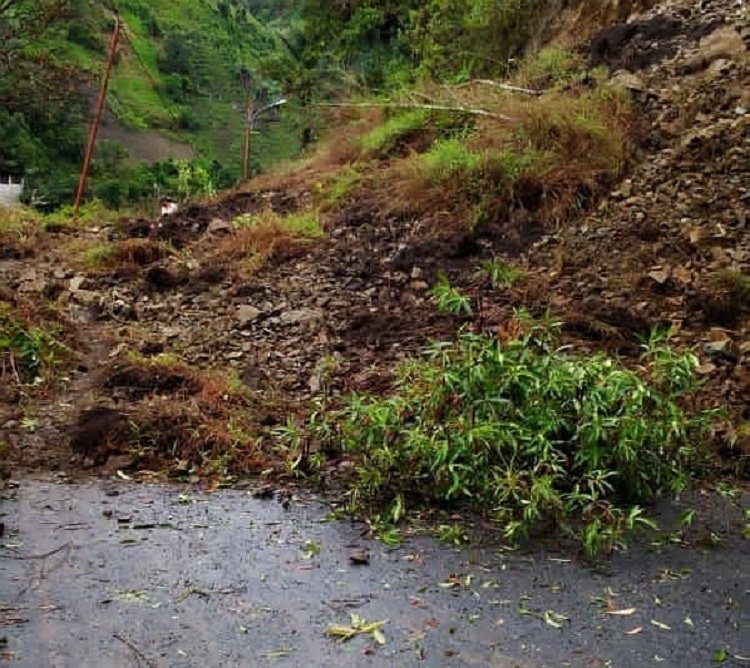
(168, 314)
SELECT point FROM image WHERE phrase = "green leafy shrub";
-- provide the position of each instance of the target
(526, 433)
(501, 274)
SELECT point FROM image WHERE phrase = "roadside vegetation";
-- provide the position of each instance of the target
(525, 432)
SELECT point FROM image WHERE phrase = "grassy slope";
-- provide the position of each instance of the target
(136, 94)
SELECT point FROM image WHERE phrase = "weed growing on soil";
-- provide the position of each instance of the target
(548, 67)
(525, 432)
(448, 299)
(303, 223)
(21, 233)
(184, 420)
(500, 274)
(402, 128)
(89, 214)
(258, 238)
(336, 189)
(449, 158)
(27, 353)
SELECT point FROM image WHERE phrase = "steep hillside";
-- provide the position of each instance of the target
(184, 68)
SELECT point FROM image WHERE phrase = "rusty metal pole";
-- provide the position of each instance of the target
(97, 115)
(248, 128)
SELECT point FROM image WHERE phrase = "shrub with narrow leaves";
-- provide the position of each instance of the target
(526, 432)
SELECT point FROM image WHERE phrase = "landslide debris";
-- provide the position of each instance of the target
(167, 306)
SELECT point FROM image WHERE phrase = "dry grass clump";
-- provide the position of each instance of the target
(185, 420)
(552, 158)
(182, 438)
(125, 254)
(21, 234)
(256, 239)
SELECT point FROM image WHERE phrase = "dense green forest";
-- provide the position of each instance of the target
(185, 68)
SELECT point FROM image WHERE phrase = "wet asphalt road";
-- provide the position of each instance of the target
(110, 574)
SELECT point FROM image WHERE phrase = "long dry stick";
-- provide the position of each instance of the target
(497, 84)
(428, 107)
(139, 655)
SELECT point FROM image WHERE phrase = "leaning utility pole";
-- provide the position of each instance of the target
(97, 114)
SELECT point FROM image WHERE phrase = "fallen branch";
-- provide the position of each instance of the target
(139, 655)
(497, 84)
(427, 107)
(30, 557)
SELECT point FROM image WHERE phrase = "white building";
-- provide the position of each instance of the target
(10, 191)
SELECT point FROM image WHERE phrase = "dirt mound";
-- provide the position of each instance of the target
(136, 381)
(162, 416)
(97, 433)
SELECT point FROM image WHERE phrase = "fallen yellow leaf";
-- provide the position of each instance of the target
(625, 611)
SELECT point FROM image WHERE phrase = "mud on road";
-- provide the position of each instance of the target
(109, 574)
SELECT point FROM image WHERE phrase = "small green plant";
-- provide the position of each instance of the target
(98, 255)
(451, 533)
(526, 433)
(501, 274)
(26, 352)
(303, 223)
(448, 158)
(333, 192)
(448, 299)
(550, 66)
(193, 180)
(384, 140)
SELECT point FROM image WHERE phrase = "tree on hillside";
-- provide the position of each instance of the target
(366, 36)
(41, 104)
(387, 42)
(472, 37)
(306, 72)
(31, 74)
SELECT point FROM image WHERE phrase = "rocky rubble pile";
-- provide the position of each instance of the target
(672, 243)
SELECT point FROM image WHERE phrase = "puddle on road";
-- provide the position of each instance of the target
(110, 574)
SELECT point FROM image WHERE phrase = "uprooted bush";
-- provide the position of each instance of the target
(527, 433)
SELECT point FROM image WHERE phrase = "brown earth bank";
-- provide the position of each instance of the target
(182, 355)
